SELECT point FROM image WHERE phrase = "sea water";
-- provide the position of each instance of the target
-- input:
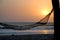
(46, 29)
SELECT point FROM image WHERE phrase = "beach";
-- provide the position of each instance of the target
(28, 37)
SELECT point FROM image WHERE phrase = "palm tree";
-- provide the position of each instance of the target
(55, 4)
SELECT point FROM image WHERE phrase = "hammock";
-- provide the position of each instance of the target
(39, 23)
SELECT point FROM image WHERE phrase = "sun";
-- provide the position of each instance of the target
(45, 12)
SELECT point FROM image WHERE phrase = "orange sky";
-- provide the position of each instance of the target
(24, 10)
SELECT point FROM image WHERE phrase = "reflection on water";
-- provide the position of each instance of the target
(25, 32)
(38, 31)
(47, 31)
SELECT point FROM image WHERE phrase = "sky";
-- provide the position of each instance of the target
(24, 10)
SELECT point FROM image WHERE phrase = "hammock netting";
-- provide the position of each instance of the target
(41, 22)
(45, 19)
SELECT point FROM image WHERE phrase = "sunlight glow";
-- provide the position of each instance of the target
(45, 12)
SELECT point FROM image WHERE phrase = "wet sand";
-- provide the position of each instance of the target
(28, 37)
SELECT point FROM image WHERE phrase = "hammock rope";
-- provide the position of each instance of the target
(45, 19)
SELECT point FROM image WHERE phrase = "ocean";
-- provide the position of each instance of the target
(46, 29)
